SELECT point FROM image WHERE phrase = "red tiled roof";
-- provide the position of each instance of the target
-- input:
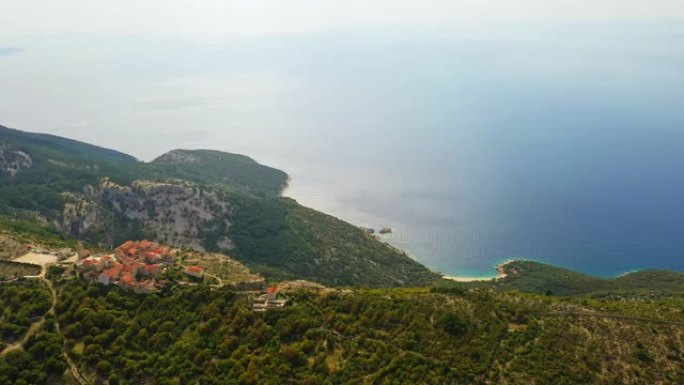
(272, 290)
(195, 269)
(150, 255)
(146, 244)
(128, 279)
(127, 245)
(112, 272)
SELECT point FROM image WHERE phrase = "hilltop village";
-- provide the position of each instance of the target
(144, 267)
(136, 266)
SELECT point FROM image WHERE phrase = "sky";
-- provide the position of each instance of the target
(256, 66)
(221, 18)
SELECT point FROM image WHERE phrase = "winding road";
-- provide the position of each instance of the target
(36, 326)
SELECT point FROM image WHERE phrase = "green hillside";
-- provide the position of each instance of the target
(201, 199)
(220, 168)
(64, 330)
(537, 277)
(55, 165)
(392, 336)
(285, 240)
(651, 281)
(58, 148)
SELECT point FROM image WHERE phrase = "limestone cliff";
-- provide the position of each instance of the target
(176, 213)
(12, 160)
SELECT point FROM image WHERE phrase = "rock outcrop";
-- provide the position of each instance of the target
(12, 161)
(177, 213)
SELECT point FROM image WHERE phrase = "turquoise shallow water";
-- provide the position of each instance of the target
(561, 143)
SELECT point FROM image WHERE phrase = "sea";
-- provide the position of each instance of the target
(562, 143)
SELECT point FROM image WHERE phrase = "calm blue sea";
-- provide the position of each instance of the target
(559, 143)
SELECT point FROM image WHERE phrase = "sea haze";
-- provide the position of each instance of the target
(559, 143)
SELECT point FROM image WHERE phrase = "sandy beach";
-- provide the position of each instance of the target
(500, 273)
(467, 279)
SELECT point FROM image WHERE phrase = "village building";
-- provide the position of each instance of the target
(151, 270)
(107, 261)
(127, 245)
(119, 254)
(194, 271)
(268, 300)
(84, 253)
(151, 257)
(88, 264)
(135, 265)
(110, 275)
(128, 281)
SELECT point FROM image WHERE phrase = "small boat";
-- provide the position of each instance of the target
(386, 230)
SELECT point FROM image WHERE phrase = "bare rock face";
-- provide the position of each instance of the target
(175, 213)
(177, 156)
(80, 215)
(12, 161)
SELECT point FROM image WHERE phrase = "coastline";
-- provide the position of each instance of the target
(500, 274)
(384, 238)
(458, 276)
(468, 279)
(499, 267)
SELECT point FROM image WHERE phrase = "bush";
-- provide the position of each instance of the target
(453, 325)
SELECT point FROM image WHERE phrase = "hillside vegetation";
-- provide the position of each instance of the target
(220, 168)
(200, 199)
(389, 336)
(287, 240)
(537, 277)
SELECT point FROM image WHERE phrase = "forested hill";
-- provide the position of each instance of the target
(537, 277)
(220, 168)
(200, 199)
(195, 334)
(58, 148)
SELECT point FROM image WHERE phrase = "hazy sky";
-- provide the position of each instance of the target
(228, 18)
(238, 75)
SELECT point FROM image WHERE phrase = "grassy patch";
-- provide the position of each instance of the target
(11, 269)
